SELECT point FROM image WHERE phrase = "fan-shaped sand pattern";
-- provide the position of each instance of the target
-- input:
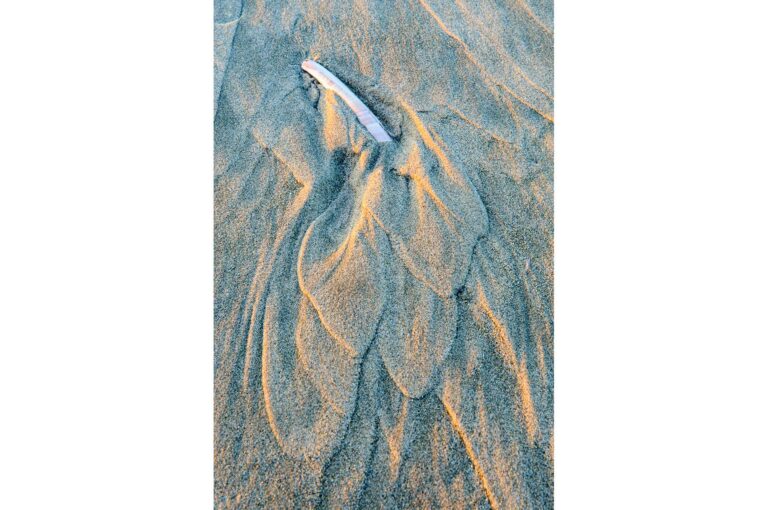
(383, 311)
(416, 334)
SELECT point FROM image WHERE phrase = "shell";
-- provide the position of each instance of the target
(363, 113)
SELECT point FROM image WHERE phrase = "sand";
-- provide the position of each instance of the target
(383, 311)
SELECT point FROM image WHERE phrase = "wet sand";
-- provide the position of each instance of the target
(383, 311)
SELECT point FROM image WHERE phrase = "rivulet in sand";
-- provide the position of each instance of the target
(384, 310)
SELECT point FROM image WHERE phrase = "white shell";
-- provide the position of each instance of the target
(364, 115)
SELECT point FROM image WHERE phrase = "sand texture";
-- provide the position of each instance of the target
(383, 311)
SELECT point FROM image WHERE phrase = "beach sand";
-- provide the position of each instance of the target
(383, 311)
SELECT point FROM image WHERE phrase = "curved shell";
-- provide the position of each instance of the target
(364, 114)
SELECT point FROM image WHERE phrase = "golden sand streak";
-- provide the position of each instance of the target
(339, 253)
(442, 158)
(298, 202)
(267, 396)
(529, 12)
(477, 64)
(517, 68)
(518, 367)
(471, 453)
(300, 348)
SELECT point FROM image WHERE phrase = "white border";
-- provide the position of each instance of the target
(106, 368)
(660, 275)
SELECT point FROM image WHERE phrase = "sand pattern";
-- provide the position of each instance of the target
(383, 311)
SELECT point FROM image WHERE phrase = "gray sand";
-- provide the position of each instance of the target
(383, 312)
